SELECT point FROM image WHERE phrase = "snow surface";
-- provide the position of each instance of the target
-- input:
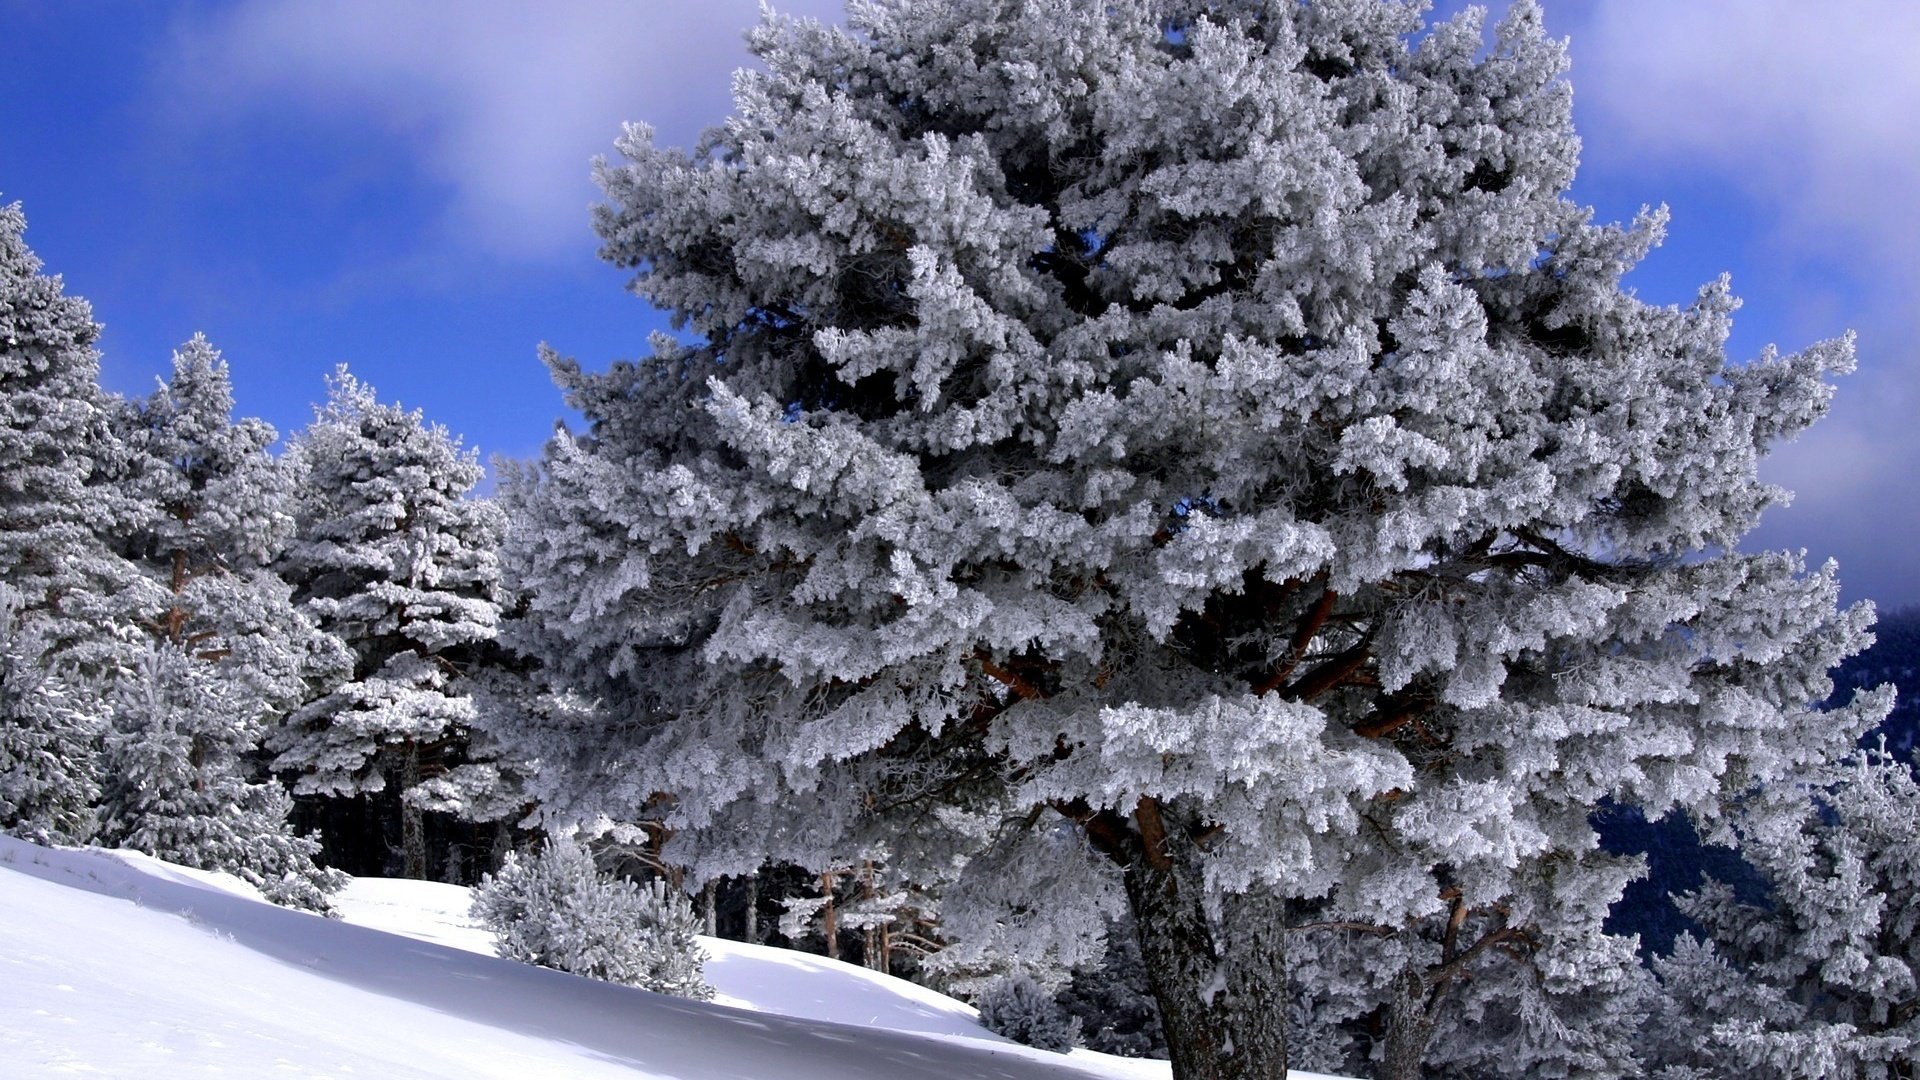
(115, 964)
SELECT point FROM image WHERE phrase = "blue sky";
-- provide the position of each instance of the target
(402, 185)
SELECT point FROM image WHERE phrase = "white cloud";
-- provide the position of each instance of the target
(508, 100)
(1810, 107)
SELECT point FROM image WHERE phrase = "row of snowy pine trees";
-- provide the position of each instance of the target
(187, 620)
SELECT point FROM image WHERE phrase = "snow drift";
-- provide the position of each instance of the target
(117, 964)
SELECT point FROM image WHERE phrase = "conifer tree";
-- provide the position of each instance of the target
(1206, 424)
(392, 557)
(1820, 978)
(177, 785)
(555, 908)
(49, 769)
(55, 446)
(229, 653)
(219, 513)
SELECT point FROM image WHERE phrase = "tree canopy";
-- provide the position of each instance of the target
(1209, 426)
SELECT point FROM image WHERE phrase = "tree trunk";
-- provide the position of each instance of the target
(1221, 987)
(1409, 1027)
(751, 931)
(710, 909)
(502, 843)
(413, 825)
(830, 922)
(870, 935)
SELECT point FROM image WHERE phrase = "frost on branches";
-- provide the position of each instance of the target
(554, 908)
(178, 785)
(49, 736)
(54, 445)
(1823, 978)
(391, 557)
(1208, 425)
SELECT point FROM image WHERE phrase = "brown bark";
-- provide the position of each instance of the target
(829, 921)
(1303, 635)
(176, 620)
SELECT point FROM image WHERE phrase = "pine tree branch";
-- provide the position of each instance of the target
(1153, 833)
(1374, 929)
(1021, 687)
(1308, 628)
(1332, 673)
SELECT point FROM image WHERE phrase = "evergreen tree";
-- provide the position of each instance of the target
(1206, 424)
(49, 768)
(489, 786)
(230, 655)
(177, 783)
(1022, 1010)
(557, 910)
(1821, 979)
(219, 512)
(391, 557)
(55, 446)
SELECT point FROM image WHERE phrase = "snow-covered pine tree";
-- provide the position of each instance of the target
(219, 511)
(392, 557)
(230, 655)
(49, 768)
(488, 785)
(668, 958)
(177, 784)
(1114, 1001)
(55, 444)
(1022, 1010)
(555, 908)
(1822, 979)
(1207, 423)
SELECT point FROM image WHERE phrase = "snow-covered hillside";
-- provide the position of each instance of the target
(113, 964)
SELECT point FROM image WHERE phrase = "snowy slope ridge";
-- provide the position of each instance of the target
(756, 977)
(114, 964)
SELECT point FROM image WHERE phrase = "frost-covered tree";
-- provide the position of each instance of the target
(178, 782)
(1114, 1001)
(229, 655)
(1022, 1010)
(488, 784)
(49, 738)
(218, 513)
(1822, 978)
(54, 446)
(556, 909)
(393, 558)
(1206, 423)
